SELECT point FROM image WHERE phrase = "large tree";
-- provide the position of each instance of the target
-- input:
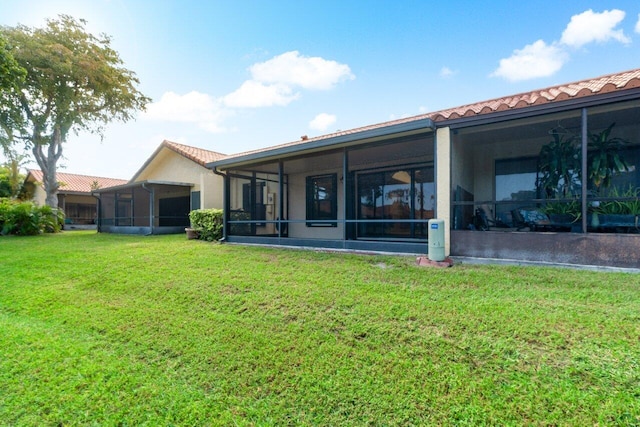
(74, 82)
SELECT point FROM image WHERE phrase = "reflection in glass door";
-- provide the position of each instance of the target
(395, 196)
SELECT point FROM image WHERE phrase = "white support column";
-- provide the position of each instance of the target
(443, 180)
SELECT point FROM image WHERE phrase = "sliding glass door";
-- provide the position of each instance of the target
(395, 203)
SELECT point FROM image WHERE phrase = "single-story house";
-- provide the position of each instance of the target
(74, 195)
(159, 197)
(550, 175)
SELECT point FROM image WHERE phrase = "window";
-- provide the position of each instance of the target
(195, 200)
(322, 198)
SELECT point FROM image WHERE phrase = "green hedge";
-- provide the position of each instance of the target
(28, 219)
(208, 223)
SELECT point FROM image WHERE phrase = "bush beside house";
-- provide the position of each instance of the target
(207, 223)
(28, 219)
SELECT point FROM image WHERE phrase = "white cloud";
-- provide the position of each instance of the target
(534, 60)
(446, 72)
(273, 82)
(293, 69)
(253, 94)
(590, 26)
(542, 60)
(193, 107)
(322, 121)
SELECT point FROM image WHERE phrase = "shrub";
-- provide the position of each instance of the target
(52, 220)
(208, 223)
(28, 219)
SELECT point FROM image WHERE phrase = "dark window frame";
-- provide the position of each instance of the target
(314, 210)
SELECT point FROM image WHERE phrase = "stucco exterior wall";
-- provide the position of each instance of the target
(298, 208)
(443, 183)
(170, 166)
(39, 195)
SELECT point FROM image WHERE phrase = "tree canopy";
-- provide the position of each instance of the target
(10, 72)
(74, 81)
(11, 75)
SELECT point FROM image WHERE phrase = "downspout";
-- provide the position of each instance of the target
(151, 206)
(99, 212)
(225, 202)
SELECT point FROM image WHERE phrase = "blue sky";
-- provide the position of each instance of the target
(236, 75)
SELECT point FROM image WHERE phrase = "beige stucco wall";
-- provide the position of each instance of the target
(39, 195)
(298, 208)
(170, 166)
(443, 179)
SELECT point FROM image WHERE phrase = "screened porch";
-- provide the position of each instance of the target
(147, 207)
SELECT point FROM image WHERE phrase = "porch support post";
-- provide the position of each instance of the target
(443, 182)
(98, 213)
(345, 174)
(280, 198)
(584, 170)
(226, 207)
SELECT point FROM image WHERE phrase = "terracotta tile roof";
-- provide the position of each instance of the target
(73, 183)
(198, 155)
(599, 85)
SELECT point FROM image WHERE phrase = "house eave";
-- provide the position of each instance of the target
(338, 141)
(541, 109)
(140, 184)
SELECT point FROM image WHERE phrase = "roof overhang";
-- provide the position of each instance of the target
(75, 193)
(364, 136)
(131, 185)
(541, 109)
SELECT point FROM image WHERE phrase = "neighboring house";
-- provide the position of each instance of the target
(507, 166)
(159, 197)
(74, 195)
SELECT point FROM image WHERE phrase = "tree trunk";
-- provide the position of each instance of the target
(48, 164)
(50, 183)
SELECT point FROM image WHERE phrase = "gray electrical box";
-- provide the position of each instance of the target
(436, 240)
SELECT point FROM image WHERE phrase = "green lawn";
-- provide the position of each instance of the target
(122, 330)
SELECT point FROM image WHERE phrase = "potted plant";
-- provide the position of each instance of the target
(559, 178)
(192, 233)
(563, 214)
(604, 160)
(621, 209)
(559, 166)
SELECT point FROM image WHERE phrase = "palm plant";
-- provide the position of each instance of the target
(559, 165)
(604, 158)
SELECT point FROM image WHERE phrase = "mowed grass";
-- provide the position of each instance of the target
(120, 330)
